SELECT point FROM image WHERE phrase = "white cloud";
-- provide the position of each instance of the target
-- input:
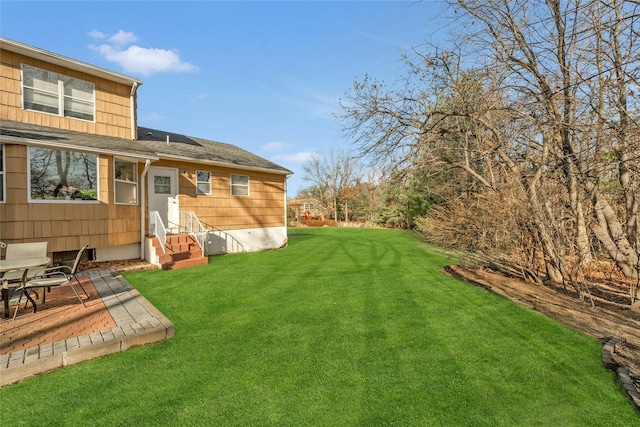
(139, 60)
(123, 38)
(299, 157)
(145, 61)
(275, 146)
(95, 34)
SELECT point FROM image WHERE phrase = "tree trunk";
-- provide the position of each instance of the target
(553, 262)
(630, 191)
(346, 211)
(582, 238)
(610, 233)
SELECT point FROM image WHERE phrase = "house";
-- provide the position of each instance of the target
(305, 209)
(76, 168)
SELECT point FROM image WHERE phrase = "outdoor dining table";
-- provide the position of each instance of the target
(18, 264)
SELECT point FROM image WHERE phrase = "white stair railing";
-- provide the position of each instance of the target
(231, 244)
(192, 225)
(157, 229)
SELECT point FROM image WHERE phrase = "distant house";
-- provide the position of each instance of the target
(306, 208)
(76, 168)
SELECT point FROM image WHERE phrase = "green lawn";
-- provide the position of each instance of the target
(345, 327)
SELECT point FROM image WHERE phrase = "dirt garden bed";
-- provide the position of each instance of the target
(121, 266)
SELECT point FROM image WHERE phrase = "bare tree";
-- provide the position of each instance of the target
(333, 179)
(534, 98)
(320, 190)
(548, 49)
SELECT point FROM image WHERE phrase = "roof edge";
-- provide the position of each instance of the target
(63, 61)
(73, 147)
(223, 164)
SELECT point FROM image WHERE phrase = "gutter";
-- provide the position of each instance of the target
(143, 206)
(132, 107)
(286, 220)
(73, 147)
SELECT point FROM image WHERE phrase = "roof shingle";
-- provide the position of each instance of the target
(151, 144)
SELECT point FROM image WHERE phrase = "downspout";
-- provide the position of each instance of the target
(143, 206)
(132, 107)
(285, 202)
(286, 207)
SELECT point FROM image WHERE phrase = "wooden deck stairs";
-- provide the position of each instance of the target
(182, 251)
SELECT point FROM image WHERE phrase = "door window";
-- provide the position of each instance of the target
(162, 184)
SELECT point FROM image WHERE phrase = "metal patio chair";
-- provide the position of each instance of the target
(24, 250)
(53, 277)
(13, 279)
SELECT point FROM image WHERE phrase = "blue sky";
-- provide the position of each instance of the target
(265, 76)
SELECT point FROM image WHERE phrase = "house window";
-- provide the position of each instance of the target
(203, 182)
(58, 94)
(2, 189)
(239, 185)
(126, 182)
(62, 175)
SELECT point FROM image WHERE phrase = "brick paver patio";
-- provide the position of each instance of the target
(59, 318)
(63, 331)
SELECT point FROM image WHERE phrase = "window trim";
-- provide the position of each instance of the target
(3, 175)
(208, 182)
(248, 185)
(133, 182)
(60, 94)
(71, 201)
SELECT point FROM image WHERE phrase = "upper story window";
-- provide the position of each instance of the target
(56, 93)
(126, 182)
(2, 180)
(239, 185)
(62, 175)
(203, 182)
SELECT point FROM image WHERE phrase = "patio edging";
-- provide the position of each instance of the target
(139, 323)
(622, 372)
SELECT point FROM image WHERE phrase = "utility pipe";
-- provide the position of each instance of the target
(143, 206)
(132, 107)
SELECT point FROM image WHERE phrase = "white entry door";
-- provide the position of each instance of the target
(163, 195)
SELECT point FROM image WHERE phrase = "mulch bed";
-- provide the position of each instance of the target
(121, 266)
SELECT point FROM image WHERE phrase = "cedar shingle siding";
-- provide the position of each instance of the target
(114, 135)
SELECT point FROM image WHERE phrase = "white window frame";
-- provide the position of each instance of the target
(240, 185)
(60, 95)
(3, 175)
(127, 183)
(206, 183)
